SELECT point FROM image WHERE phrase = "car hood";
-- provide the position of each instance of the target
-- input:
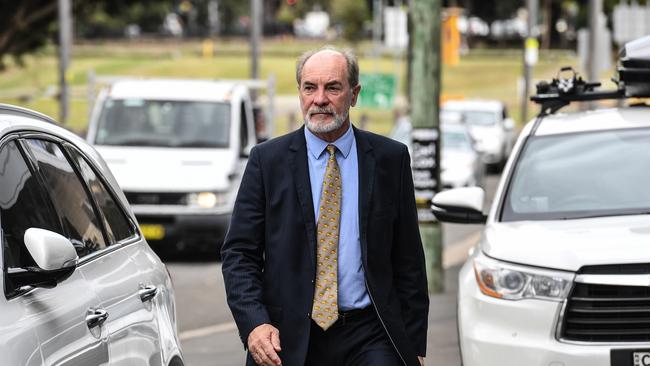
(570, 244)
(154, 169)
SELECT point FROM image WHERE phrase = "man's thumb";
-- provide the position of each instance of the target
(275, 340)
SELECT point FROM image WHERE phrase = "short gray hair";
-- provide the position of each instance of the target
(350, 59)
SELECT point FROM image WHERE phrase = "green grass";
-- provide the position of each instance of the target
(481, 74)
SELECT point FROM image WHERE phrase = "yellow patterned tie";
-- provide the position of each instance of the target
(325, 309)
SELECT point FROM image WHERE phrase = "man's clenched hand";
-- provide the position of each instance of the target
(264, 345)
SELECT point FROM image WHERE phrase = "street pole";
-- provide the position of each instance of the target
(65, 40)
(532, 6)
(595, 8)
(424, 100)
(256, 35)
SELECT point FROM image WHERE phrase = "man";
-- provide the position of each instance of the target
(323, 263)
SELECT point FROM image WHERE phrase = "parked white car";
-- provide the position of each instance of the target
(460, 164)
(81, 285)
(178, 149)
(489, 125)
(561, 275)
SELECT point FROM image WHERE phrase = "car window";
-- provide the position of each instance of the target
(117, 225)
(579, 175)
(23, 205)
(73, 205)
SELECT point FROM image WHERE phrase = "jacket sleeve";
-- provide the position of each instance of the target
(409, 264)
(242, 251)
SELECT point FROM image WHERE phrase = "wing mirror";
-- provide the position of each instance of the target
(55, 259)
(460, 205)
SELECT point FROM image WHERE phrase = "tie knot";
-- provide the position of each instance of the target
(331, 149)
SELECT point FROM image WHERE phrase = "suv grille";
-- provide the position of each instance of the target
(606, 313)
(147, 198)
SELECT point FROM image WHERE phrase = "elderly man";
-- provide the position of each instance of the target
(323, 262)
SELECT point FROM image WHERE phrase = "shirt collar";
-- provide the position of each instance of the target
(316, 145)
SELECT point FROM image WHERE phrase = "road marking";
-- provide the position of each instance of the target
(457, 253)
(453, 255)
(206, 331)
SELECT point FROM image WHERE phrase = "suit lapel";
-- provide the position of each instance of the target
(300, 170)
(366, 161)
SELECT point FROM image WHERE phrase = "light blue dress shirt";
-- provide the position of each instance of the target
(351, 278)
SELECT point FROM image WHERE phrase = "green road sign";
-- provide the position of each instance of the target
(377, 90)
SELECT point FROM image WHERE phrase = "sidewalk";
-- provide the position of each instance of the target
(442, 340)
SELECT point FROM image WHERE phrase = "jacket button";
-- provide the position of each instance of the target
(308, 315)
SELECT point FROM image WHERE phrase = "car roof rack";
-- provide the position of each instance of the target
(568, 86)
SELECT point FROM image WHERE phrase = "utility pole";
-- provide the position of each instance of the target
(256, 35)
(531, 45)
(376, 28)
(65, 44)
(595, 8)
(424, 100)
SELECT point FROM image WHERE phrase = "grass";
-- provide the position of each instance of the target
(480, 74)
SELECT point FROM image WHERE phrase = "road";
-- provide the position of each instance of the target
(206, 328)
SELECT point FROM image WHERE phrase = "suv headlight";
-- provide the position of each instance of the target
(206, 199)
(514, 282)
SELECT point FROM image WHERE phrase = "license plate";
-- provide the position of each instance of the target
(641, 358)
(630, 357)
(152, 232)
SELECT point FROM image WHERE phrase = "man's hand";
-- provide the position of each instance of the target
(264, 345)
(421, 359)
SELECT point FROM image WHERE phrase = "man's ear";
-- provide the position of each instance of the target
(355, 94)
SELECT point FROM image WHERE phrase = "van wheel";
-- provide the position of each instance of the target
(176, 361)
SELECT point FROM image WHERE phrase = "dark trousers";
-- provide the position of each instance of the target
(356, 339)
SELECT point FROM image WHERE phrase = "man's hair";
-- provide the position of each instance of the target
(350, 59)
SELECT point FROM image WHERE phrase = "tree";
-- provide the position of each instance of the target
(351, 15)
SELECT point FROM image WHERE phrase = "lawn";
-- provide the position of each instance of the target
(480, 74)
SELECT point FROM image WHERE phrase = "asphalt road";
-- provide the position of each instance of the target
(208, 334)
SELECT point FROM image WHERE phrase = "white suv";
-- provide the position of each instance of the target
(561, 275)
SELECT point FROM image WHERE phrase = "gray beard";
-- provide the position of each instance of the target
(327, 127)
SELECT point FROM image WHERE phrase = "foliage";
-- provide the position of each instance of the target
(351, 15)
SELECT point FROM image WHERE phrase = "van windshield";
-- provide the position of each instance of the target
(163, 123)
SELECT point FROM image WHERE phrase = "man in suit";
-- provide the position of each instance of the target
(323, 263)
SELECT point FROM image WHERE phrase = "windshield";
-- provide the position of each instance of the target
(581, 175)
(479, 118)
(136, 122)
(456, 140)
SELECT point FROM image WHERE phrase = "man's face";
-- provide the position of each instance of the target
(325, 93)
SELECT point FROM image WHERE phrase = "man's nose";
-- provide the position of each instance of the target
(320, 98)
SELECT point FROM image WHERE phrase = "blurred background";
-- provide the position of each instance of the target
(482, 47)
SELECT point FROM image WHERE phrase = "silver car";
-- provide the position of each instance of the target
(81, 285)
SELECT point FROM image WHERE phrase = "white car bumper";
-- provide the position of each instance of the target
(496, 332)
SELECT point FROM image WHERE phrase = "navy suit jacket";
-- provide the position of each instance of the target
(270, 248)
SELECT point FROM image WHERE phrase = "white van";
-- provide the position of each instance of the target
(178, 149)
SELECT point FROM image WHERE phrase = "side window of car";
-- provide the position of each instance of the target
(118, 227)
(70, 198)
(23, 205)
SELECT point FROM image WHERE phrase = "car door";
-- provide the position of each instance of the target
(126, 279)
(56, 319)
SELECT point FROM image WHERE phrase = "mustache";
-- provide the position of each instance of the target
(316, 110)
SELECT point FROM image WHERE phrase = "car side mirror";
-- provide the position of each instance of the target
(460, 205)
(509, 124)
(55, 259)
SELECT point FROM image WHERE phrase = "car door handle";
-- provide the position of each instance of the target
(96, 317)
(147, 292)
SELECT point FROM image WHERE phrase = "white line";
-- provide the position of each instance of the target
(206, 331)
(453, 255)
(457, 253)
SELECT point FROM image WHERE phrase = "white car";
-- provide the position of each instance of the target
(561, 275)
(81, 286)
(460, 164)
(489, 125)
(178, 149)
